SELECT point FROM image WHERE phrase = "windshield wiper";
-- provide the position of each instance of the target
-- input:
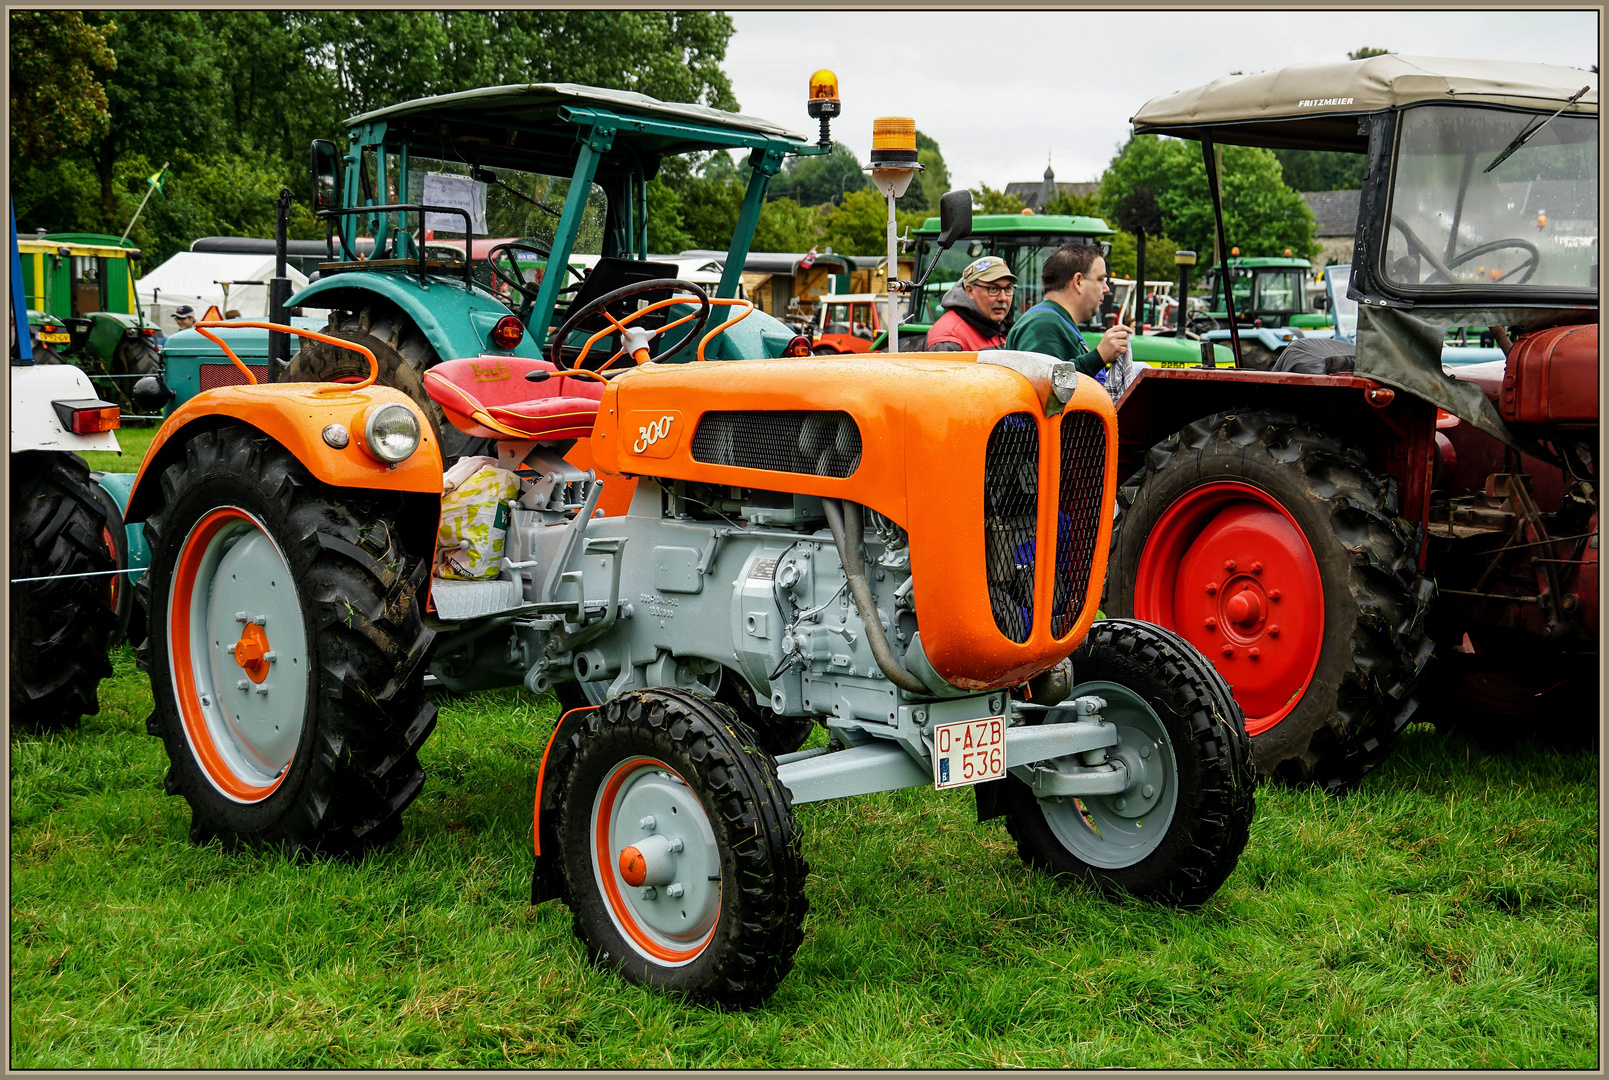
(489, 177)
(1525, 136)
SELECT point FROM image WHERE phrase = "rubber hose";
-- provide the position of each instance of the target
(845, 523)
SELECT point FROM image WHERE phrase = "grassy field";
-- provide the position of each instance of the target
(133, 440)
(1445, 915)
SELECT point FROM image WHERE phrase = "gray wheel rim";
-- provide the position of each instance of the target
(253, 726)
(642, 800)
(1100, 831)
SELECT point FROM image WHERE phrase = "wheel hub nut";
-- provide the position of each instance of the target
(252, 652)
(650, 861)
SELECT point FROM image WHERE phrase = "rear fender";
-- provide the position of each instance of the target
(295, 416)
(34, 423)
(456, 321)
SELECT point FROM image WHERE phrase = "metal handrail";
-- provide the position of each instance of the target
(401, 208)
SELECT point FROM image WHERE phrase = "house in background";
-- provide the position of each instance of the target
(1335, 218)
(1036, 195)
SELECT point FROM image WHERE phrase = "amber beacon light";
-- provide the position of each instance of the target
(893, 164)
(824, 104)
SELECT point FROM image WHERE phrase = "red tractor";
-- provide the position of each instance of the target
(1337, 530)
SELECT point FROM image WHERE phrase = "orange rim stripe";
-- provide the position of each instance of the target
(195, 725)
(607, 860)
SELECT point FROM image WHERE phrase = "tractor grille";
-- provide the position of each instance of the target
(1010, 522)
(814, 443)
(1078, 524)
(216, 375)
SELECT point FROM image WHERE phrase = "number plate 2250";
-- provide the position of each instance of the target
(969, 752)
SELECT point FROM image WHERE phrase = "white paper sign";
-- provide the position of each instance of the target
(445, 189)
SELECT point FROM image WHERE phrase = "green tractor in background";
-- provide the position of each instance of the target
(1025, 241)
(1271, 308)
(82, 308)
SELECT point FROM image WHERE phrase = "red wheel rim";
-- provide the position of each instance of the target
(1229, 570)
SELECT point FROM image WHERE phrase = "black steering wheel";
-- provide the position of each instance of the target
(514, 278)
(1533, 260)
(580, 315)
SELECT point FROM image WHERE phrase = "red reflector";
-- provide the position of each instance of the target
(798, 346)
(507, 333)
(1380, 396)
(87, 421)
(148, 331)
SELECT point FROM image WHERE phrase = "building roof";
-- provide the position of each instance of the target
(1335, 213)
(1030, 192)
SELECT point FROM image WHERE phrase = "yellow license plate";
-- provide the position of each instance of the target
(55, 339)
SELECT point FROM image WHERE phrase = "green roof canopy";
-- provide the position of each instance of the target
(1315, 106)
(1027, 223)
(534, 125)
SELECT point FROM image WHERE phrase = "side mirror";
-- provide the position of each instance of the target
(1321, 302)
(955, 217)
(326, 181)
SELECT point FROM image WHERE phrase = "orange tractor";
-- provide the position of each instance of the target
(789, 558)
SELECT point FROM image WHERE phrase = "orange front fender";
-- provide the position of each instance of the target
(295, 415)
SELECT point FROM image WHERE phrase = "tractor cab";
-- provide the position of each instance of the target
(1268, 292)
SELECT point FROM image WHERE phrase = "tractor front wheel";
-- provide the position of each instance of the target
(286, 651)
(62, 627)
(680, 854)
(1270, 546)
(1175, 835)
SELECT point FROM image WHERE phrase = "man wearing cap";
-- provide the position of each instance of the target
(185, 316)
(975, 309)
(1074, 278)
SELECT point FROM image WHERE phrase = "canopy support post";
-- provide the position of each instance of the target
(1223, 246)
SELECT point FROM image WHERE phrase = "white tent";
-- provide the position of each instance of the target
(207, 279)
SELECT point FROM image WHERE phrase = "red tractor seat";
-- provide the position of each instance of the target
(489, 396)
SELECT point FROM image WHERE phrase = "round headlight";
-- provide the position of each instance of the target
(391, 432)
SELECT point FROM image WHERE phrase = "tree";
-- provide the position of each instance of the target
(860, 225)
(1320, 170)
(1262, 216)
(990, 201)
(56, 100)
(1366, 52)
(932, 182)
(1065, 202)
(820, 178)
(785, 226)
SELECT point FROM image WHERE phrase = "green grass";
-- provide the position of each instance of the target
(1445, 915)
(134, 440)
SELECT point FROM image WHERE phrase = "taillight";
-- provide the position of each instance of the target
(87, 417)
(798, 346)
(148, 331)
(508, 332)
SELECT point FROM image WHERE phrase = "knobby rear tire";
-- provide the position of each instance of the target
(61, 630)
(1376, 603)
(354, 767)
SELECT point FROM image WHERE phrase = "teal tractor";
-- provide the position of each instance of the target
(428, 182)
(1025, 241)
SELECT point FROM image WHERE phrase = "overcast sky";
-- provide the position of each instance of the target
(1001, 90)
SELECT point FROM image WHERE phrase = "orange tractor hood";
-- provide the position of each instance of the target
(924, 423)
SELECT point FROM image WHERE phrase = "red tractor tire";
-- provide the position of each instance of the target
(1270, 546)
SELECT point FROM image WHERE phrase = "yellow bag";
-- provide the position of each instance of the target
(474, 519)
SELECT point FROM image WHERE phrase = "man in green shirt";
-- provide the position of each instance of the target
(1075, 284)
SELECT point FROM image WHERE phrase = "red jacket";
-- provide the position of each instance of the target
(951, 328)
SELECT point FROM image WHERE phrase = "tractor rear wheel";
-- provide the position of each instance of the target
(61, 629)
(1177, 834)
(680, 853)
(1270, 546)
(403, 354)
(119, 591)
(286, 650)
